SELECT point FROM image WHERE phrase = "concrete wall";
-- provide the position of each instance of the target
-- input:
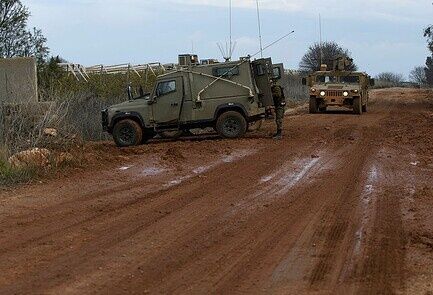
(18, 80)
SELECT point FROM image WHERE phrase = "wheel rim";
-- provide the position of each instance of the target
(231, 127)
(126, 135)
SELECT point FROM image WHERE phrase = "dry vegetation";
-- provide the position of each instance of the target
(69, 107)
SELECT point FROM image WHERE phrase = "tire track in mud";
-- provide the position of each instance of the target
(231, 243)
(124, 211)
(381, 268)
(142, 195)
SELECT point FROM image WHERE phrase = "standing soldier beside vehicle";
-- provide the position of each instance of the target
(280, 104)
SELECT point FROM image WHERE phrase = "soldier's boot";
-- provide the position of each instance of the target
(278, 135)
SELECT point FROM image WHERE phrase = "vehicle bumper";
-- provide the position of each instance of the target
(336, 101)
(105, 121)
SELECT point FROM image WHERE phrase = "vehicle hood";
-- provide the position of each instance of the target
(127, 105)
(337, 87)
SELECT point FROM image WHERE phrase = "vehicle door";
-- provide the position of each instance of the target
(263, 73)
(167, 102)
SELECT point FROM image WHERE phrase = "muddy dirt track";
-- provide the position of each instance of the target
(343, 205)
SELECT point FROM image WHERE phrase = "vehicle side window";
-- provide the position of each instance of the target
(260, 71)
(277, 73)
(226, 72)
(165, 88)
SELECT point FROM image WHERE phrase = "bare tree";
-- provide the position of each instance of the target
(15, 38)
(325, 53)
(388, 79)
(417, 75)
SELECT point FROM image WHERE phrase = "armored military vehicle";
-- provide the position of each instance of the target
(339, 87)
(225, 96)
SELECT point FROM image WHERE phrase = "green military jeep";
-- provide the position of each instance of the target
(225, 96)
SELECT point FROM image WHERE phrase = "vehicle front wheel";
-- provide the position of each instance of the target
(231, 125)
(357, 106)
(127, 133)
(313, 105)
(364, 108)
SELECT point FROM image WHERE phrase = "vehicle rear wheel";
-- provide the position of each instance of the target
(357, 107)
(313, 105)
(127, 133)
(231, 124)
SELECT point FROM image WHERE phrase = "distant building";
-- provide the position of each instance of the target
(18, 80)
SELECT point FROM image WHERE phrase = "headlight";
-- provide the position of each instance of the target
(355, 91)
(322, 93)
(345, 94)
(313, 89)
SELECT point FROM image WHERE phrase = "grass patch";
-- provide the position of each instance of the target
(9, 175)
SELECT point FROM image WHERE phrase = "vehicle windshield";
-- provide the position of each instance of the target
(324, 79)
(349, 79)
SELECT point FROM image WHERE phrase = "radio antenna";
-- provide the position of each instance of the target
(260, 28)
(227, 52)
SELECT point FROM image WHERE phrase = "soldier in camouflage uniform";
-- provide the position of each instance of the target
(280, 104)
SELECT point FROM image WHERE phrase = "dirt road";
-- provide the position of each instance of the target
(342, 205)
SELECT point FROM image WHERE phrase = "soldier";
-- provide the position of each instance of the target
(279, 103)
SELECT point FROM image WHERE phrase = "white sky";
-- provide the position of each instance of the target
(382, 35)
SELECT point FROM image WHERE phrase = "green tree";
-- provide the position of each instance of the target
(325, 53)
(16, 40)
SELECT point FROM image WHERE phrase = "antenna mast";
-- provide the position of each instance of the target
(230, 25)
(227, 52)
(260, 29)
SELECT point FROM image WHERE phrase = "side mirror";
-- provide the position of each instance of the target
(304, 81)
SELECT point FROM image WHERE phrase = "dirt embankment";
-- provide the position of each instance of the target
(342, 205)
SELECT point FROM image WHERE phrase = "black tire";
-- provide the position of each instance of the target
(357, 106)
(322, 110)
(313, 105)
(127, 133)
(364, 108)
(231, 124)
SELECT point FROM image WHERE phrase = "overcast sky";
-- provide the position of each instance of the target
(382, 35)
